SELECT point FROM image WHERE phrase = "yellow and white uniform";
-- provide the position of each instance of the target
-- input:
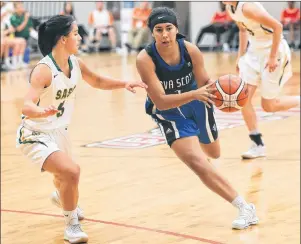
(38, 138)
(252, 63)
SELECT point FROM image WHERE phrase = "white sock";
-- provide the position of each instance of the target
(239, 202)
(20, 59)
(71, 217)
(7, 61)
(14, 60)
(254, 132)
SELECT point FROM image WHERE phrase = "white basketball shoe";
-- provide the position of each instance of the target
(247, 216)
(55, 199)
(75, 234)
(255, 151)
(73, 231)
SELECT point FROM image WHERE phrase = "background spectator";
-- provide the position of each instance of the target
(69, 10)
(290, 18)
(101, 23)
(21, 21)
(17, 44)
(139, 33)
(7, 9)
(220, 23)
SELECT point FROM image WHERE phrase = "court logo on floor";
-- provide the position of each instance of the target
(136, 141)
(154, 137)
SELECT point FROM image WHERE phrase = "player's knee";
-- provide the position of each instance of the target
(72, 174)
(196, 162)
(215, 154)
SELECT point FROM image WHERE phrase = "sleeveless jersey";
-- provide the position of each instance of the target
(174, 79)
(60, 93)
(260, 36)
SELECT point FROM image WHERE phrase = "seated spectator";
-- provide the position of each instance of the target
(220, 23)
(101, 23)
(7, 10)
(138, 35)
(17, 44)
(290, 19)
(69, 10)
(22, 22)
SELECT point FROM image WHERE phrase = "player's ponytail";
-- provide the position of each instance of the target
(52, 30)
(44, 46)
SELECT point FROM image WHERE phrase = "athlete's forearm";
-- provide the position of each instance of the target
(277, 32)
(174, 100)
(107, 83)
(243, 43)
(31, 110)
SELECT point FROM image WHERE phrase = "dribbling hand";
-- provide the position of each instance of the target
(204, 94)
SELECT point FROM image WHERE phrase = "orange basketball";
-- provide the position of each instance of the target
(231, 94)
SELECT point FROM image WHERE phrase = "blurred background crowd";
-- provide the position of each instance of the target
(121, 27)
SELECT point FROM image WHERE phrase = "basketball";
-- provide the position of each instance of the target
(231, 94)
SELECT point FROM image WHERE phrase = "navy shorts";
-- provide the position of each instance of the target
(191, 119)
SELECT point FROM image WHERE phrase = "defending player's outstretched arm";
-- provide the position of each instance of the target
(107, 83)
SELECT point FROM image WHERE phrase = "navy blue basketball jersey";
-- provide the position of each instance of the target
(174, 79)
(190, 119)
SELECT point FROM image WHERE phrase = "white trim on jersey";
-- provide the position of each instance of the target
(163, 133)
(176, 129)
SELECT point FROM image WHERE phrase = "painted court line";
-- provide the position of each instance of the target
(122, 225)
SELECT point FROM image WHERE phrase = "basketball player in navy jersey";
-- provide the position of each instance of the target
(179, 100)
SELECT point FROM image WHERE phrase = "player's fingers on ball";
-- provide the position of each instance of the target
(210, 84)
(210, 101)
(213, 89)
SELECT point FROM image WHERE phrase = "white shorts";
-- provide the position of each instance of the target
(38, 146)
(252, 70)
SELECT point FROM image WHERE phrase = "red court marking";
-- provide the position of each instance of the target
(122, 225)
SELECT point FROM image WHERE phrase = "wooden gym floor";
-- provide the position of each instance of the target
(134, 196)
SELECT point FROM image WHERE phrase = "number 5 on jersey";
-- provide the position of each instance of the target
(61, 109)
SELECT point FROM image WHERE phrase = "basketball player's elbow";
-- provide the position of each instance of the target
(27, 108)
(278, 27)
(162, 104)
(25, 111)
